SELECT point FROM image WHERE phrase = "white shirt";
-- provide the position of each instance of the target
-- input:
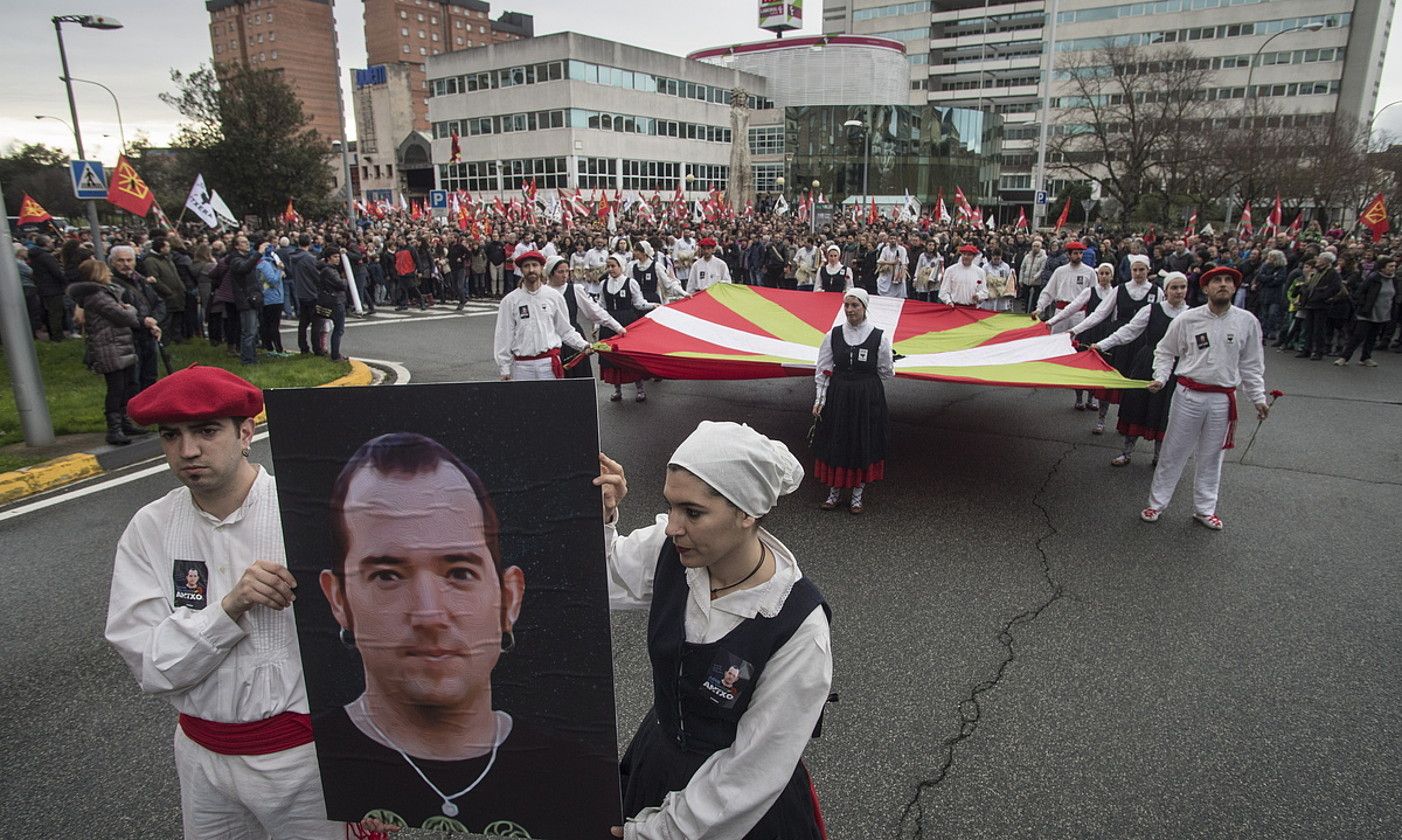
(932, 261)
(549, 250)
(805, 262)
(963, 285)
(1066, 282)
(595, 262)
(1215, 350)
(683, 252)
(823, 272)
(736, 786)
(886, 283)
(706, 273)
(1078, 303)
(202, 661)
(589, 309)
(885, 359)
(1109, 304)
(1136, 326)
(531, 323)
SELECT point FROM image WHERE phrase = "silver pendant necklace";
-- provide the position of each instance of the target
(450, 808)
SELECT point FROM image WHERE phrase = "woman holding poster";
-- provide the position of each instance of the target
(738, 687)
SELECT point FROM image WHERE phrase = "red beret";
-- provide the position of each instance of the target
(1075, 246)
(1220, 271)
(531, 256)
(968, 249)
(708, 242)
(196, 393)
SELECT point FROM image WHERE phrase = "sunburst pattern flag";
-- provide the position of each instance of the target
(31, 212)
(747, 332)
(128, 191)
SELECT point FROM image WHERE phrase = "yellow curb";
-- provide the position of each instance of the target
(70, 468)
(45, 476)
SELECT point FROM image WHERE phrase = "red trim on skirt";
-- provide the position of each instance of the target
(846, 476)
(817, 806)
(1136, 430)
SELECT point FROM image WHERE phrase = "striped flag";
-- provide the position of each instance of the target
(750, 332)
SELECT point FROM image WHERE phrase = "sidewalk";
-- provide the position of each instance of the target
(77, 457)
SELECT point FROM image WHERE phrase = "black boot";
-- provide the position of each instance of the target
(130, 429)
(115, 436)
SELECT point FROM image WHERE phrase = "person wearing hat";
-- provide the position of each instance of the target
(624, 301)
(1116, 307)
(833, 276)
(964, 284)
(719, 754)
(1144, 414)
(1218, 350)
(532, 325)
(223, 651)
(1066, 282)
(578, 304)
(653, 278)
(708, 269)
(849, 442)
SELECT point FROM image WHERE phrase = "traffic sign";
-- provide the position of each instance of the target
(438, 199)
(89, 181)
(1041, 197)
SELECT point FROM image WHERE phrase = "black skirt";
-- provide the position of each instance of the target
(1144, 414)
(851, 439)
(654, 766)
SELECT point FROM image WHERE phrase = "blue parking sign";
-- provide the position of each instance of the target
(438, 199)
(1041, 196)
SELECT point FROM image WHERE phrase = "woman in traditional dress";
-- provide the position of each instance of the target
(1144, 414)
(832, 275)
(850, 440)
(578, 306)
(739, 643)
(625, 302)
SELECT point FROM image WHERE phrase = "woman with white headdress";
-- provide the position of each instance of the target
(623, 300)
(578, 306)
(849, 441)
(1088, 300)
(654, 280)
(739, 643)
(1116, 309)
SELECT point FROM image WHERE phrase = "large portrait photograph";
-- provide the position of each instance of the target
(452, 605)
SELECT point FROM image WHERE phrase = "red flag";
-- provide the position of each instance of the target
(1021, 220)
(1374, 217)
(872, 215)
(415, 212)
(1295, 226)
(1274, 219)
(127, 190)
(961, 202)
(1065, 214)
(456, 155)
(603, 205)
(978, 217)
(31, 213)
(1192, 226)
(289, 215)
(1244, 228)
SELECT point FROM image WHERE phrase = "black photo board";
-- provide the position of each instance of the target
(454, 685)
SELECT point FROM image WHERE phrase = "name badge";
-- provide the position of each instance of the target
(1201, 339)
(523, 311)
(1231, 338)
(727, 680)
(191, 584)
(862, 354)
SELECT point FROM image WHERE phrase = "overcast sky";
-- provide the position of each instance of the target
(135, 61)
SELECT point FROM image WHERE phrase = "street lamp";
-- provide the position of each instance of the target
(1379, 113)
(55, 119)
(813, 206)
(121, 129)
(866, 159)
(1312, 26)
(87, 22)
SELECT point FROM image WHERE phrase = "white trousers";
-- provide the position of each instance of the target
(1197, 426)
(252, 797)
(529, 371)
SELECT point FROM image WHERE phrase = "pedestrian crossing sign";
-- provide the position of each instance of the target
(89, 180)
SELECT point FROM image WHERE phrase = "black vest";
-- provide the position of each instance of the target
(700, 691)
(847, 359)
(1126, 307)
(833, 282)
(647, 281)
(571, 305)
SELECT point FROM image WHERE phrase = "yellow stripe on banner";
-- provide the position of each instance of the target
(1034, 373)
(765, 314)
(960, 338)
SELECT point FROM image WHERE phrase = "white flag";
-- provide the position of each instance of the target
(198, 201)
(226, 216)
(780, 206)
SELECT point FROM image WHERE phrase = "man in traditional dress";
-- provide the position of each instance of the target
(964, 283)
(1066, 282)
(708, 269)
(532, 324)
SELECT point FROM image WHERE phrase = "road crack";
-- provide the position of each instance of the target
(970, 709)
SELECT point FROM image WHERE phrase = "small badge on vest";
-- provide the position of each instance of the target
(1201, 339)
(862, 355)
(191, 584)
(728, 678)
(523, 311)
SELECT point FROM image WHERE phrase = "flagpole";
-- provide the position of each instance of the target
(20, 354)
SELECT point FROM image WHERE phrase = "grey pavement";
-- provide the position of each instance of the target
(1017, 655)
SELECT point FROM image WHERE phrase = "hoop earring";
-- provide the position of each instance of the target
(347, 638)
(247, 451)
(508, 641)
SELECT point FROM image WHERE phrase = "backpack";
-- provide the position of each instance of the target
(404, 262)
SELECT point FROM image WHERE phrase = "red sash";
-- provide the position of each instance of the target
(1230, 391)
(1062, 304)
(260, 737)
(553, 354)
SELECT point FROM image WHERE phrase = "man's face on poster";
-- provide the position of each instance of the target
(192, 578)
(731, 676)
(420, 590)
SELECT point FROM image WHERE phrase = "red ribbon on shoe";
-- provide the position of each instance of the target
(553, 354)
(260, 737)
(1230, 391)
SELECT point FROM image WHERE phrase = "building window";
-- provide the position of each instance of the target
(548, 173)
(406, 49)
(459, 41)
(655, 175)
(457, 24)
(709, 176)
(433, 20)
(767, 140)
(403, 15)
(421, 34)
(423, 50)
(433, 37)
(274, 55)
(596, 173)
(272, 36)
(420, 17)
(765, 175)
(404, 31)
(1015, 182)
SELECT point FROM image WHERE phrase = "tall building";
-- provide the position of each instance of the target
(296, 38)
(410, 31)
(1325, 56)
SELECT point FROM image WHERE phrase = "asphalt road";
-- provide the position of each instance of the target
(1017, 654)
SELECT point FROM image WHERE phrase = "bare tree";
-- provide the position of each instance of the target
(1127, 120)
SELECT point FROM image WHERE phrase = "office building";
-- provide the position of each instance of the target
(295, 38)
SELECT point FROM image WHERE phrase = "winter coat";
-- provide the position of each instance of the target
(330, 281)
(108, 325)
(48, 274)
(270, 275)
(142, 295)
(168, 283)
(1326, 286)
(302, 270)
(247, 286)
(204, 284)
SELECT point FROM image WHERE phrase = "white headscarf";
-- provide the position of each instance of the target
(747, 468)
(1139, 258)
(860, 294)
(550, 266)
